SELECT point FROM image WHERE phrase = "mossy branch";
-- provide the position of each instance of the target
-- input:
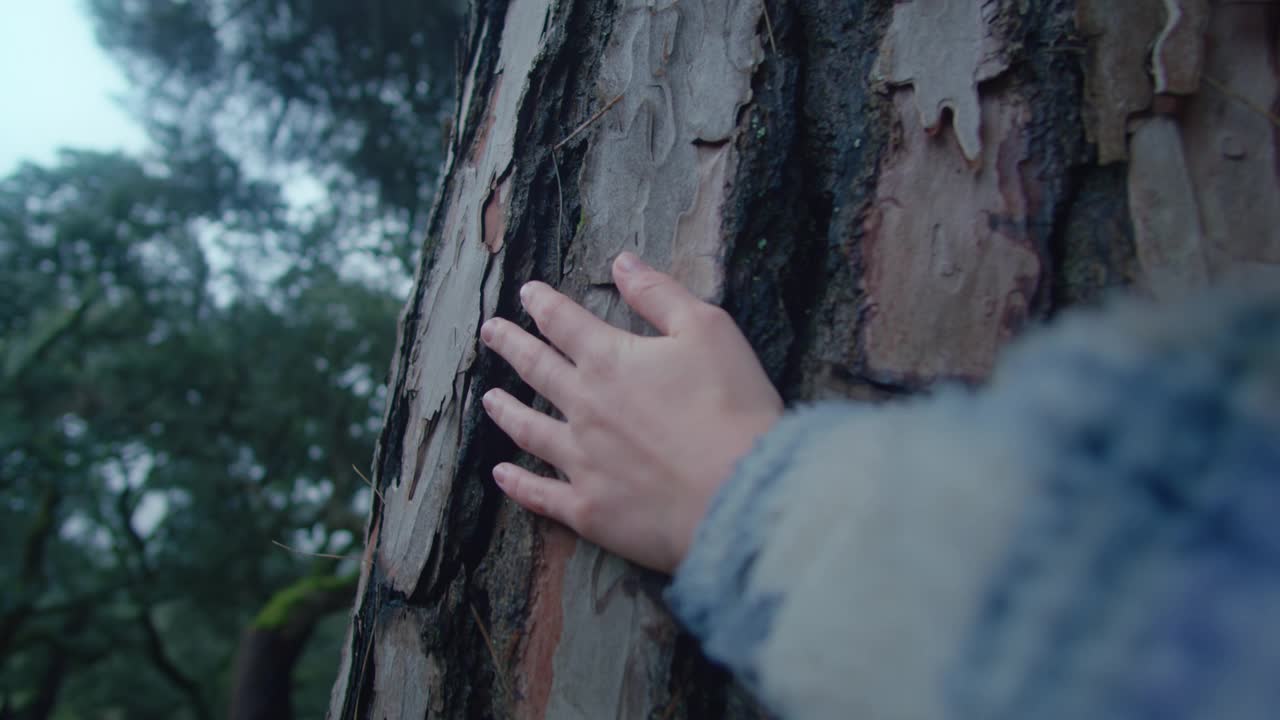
(304, 601)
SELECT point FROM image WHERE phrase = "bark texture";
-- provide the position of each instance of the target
(882, 194)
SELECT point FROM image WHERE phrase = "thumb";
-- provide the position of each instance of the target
(655, 295)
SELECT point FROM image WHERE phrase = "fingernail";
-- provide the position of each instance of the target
(501, 473)
(488, 329)
(630, 262)
(526, 293)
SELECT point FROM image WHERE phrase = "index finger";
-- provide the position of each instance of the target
(569, 326)
(543, 368)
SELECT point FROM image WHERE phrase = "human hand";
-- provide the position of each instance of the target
(653, 425)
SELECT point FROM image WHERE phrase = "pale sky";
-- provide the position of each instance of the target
(57, 87)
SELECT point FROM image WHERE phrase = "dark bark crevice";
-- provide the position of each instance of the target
(485, 552)
(1094, 254)
(467, 577)
(1048, 72)
(815, 138)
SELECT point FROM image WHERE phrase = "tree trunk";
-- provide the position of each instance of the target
(273, 642)
(881, 193)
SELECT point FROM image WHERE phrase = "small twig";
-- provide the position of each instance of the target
(768, 25)
(555, 259)
(369, 482)
(1238, 97)
(279, 544)
(511, 650)
(590, 121)
(493, 654)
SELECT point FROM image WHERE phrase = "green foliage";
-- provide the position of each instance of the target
(189, 362)
(352, 92)
(157, 434)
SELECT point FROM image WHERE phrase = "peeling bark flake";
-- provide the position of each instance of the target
(1179, 51)
(445, 347)
(535, 672)
(1233, 151)
(1117, 84)
(944, 49)
(697, 254)
(683, 72)
(1166, 224)
(406, 679)
(1204, 188)
(495, 216)
(606, 657)
(950, 269)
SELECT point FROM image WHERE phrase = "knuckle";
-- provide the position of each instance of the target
(648, 285)
(526, 356)
(602, 359)
(572, 336)
(712, 316)
(580, 515)
(569, 402)
(535, 499)
(547, 373)
(552, 309)
(584, 414)
(538, 366)
(575, 459)
(521, 432)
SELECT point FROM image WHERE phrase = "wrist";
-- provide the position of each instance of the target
(718, 469)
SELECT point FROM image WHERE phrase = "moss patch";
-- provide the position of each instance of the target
(286, 604)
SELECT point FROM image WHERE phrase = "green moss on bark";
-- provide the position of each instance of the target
(300, 597)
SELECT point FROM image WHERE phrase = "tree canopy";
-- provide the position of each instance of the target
(190, 363)
(353, 94)
(155, 441)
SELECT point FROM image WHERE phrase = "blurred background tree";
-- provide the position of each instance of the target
(351, 95)
(193, 347)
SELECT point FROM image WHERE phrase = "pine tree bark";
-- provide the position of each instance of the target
(882, 193)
